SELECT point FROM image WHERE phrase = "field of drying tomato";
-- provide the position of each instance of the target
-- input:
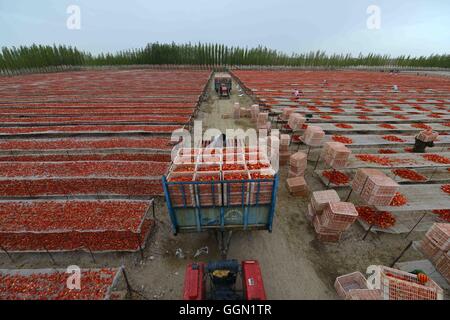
(87, 133)
(363, 104)
(52, 285)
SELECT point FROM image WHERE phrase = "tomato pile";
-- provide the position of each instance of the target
(380, 219)
(212, 167)
(401, 117)
(446, 188)
(387, 126)
(336, 177)
(185, 168)
(421, 126)
(447, 124)
(209, 177)
(233, 167)
(184, 178)
(18, 216)
(434, 115)
(235, 176)
(436, 158)
(89, 129)
(343, 125)
(409, 175)
(342, 139)
(399, 200)
(364, 118)
(326, 117)
(443, 214)
(386, 151)
(95, 285)
(393, 139)
(257, 166)
(374, 159)
(261, 176)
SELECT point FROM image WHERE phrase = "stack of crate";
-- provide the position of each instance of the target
(313, 136)
(319, 201)
(436, 247)
(428, 136)
(297, 186)
(285, 141)
(296, 121)
(236, 110)
(262, 120)
(254, 111)
(298, 163)
(336, 218)
(336, 155)
(374, 187)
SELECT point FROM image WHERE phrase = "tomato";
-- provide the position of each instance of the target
(393, 139)
(446, 188)
(381, 219)
(342, 139)
(343, 126)
(336, 177)
(387, 151)
(387, 126)
(436, 158)
(409, 174)
(399, 200)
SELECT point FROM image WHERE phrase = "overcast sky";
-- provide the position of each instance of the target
(416, 27)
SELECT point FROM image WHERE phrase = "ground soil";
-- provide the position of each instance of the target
(294, 264)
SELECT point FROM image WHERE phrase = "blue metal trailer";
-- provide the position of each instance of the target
(203, 206)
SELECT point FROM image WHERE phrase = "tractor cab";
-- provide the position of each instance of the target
(223, 84)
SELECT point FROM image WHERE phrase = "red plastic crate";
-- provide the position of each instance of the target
(252, 281)
(194, 288)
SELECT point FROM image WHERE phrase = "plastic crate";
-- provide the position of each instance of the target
(321, 199)
(364, 294)
(181, 195)
(443, 266)
(262, 174)
(236, 188)
(210, 193)
(429, 249)
(401, 285)
(339, 215)
(324, 234)
(440, 234)
(310, 213)
(346, 283)
(361, 176)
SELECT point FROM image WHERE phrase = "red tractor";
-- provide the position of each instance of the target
(218, 281)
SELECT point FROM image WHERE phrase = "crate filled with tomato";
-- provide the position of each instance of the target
(209, 191)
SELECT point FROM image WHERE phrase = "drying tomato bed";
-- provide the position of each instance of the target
(88, 143)
(374, 159)
(74, 225)
(387, 126)
(409, 175)
(393, 139)
(399, 200)
(436, 158)
(421, 126)
(446, 188)
(167, 129)
(380, 219)
(386, 151)
(336, 177)
(89, 157)
(343, 125)
(342, 139)
(443, 214)
(96, 284)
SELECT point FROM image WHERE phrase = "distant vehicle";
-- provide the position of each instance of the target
(223, 84)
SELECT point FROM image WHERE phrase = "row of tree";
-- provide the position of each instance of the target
(39, 56)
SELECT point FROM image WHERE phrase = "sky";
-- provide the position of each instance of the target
(411, 27)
